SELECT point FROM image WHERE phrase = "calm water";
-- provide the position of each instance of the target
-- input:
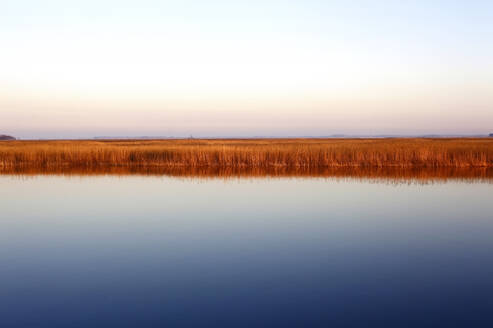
(140, 251)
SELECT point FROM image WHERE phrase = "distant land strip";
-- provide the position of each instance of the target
(249, 153)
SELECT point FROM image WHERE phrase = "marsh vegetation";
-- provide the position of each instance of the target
(249, 153)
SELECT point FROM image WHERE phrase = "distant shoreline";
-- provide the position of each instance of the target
(334, 136)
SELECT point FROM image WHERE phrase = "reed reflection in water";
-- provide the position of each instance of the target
(371, 173)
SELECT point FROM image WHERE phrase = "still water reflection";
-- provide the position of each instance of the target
(160, 251)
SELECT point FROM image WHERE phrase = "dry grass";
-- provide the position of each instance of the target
(249, 153)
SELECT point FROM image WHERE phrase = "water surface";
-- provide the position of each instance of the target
(137, 251)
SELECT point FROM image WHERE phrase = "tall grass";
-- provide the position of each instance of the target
(249, 153)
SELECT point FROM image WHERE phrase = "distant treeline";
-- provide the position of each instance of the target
(250, 153)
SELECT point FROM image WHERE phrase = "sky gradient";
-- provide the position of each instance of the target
(78, 69)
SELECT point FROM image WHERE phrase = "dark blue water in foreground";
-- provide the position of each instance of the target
(167, 252)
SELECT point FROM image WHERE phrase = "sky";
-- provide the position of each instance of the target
(79, 69)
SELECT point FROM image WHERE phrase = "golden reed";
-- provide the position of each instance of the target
(249, 153)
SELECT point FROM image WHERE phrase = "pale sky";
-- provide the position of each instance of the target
(76, 69)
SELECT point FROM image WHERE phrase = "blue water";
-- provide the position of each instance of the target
(139, 251)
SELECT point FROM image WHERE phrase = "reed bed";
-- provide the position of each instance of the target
(249, 153)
